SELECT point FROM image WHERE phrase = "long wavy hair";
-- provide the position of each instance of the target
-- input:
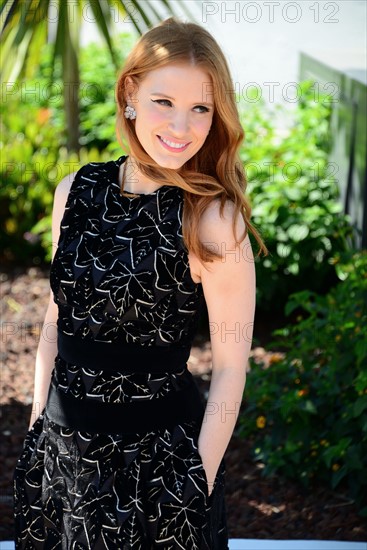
(216, 170)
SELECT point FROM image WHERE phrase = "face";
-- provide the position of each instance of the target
(183, 119)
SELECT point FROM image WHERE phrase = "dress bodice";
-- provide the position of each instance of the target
(121, 271)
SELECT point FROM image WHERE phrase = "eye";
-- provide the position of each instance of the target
(167, 103)
(206, 110)
(162, 101)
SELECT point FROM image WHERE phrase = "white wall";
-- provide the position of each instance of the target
(267, 49)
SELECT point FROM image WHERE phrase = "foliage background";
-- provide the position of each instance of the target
(306, 413)
(294, 195)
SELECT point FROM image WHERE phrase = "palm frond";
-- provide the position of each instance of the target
(24, 31)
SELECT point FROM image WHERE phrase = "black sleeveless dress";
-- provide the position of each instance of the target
(112, 461)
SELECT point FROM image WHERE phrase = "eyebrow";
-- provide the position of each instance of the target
(173, 99)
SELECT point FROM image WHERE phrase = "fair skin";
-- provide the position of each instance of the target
(228, 284)
(47, 347)
(186, 118)
(229, 287)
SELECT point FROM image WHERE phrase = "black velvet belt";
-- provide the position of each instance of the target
(121, 356)
(93, 416)
(125, 418)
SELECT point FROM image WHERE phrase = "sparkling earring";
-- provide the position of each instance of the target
(130, 112)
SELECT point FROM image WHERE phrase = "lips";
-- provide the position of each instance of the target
(174, 149)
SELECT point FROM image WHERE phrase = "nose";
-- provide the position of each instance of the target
(179, 124)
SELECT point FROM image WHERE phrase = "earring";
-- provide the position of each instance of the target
(130, 112)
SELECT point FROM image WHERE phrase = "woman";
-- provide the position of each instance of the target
(124, 453)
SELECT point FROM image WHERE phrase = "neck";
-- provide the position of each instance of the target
(133, 180)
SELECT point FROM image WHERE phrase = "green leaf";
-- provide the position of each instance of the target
(310, 407)
(298, 232)
(360, 405)
(361, 350)
(338, 476)
(283, 250)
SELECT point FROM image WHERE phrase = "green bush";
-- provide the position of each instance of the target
(307, 412)
(33, 148)
(33, 164)
(96, 94)
(294, 197)
(299, 216)
(97, 97)
(29, 155)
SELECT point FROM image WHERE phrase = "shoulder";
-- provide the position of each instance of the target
(213, 211)
(63, 187)
(216, 223)
(65, 191)
(69, 185)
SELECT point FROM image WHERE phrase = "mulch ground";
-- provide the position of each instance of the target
(257, 507)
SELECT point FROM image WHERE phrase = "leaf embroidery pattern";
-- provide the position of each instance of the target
(121, 271)
(120, 274)
(101, 491)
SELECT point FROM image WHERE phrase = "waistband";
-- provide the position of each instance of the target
(112, 356)
(125, 418)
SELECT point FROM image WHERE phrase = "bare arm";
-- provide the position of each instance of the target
(230, 292)
(47, 347)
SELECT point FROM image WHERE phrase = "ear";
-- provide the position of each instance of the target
(131, 89)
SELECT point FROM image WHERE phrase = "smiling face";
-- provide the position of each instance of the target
(183, 119)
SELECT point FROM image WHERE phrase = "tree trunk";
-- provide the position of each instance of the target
(71, 96)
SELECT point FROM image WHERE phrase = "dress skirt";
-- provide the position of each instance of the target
(134, 489)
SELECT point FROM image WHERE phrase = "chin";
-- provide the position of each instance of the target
(172, 164)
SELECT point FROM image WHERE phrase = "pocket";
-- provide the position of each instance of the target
(201, 470)
(209, 498)
(218, 480)
(203, 474)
